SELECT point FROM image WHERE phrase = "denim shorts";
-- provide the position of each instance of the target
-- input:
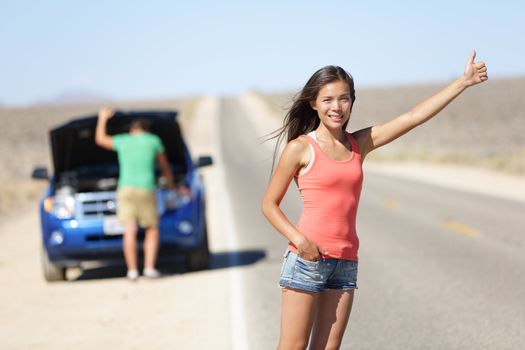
(317, 276)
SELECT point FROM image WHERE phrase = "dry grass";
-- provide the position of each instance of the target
(485, 127)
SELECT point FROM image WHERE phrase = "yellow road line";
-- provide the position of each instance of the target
(460, 228)
(391, 203)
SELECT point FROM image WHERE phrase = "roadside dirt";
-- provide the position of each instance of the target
(98, 307)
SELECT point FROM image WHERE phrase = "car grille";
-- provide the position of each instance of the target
(94, 205)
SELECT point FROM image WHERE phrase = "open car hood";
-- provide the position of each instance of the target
(74, 148)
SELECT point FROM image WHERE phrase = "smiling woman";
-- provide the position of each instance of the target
(333, 103)
(319, 273)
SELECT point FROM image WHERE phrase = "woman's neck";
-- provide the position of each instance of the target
(330, 135)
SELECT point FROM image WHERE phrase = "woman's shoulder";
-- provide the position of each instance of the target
(300, 143)
(298, 148)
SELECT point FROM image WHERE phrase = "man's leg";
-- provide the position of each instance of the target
(126, 215)
(130, 246)
(151, 247)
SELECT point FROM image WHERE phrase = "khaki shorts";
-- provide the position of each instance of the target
(137, 206)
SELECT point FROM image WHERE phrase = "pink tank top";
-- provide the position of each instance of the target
(330, 191)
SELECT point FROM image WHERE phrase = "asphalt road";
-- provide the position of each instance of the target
(439, 268)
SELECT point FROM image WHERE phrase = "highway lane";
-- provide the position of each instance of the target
(439, 268)
(436, 286)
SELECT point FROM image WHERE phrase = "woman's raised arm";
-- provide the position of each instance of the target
(382, 134)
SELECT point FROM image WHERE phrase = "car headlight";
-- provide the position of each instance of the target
(57, 238)
(186, 227)
(62, 206)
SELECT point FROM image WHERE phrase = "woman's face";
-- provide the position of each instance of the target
(333, 104)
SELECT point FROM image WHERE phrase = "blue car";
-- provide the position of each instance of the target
(78, 210)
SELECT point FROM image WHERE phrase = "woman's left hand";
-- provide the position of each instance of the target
(475, 72)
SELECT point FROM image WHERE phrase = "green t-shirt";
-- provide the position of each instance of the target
(136, 156)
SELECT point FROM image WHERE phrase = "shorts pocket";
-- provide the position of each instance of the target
(307, 272)
(285, 261)
(308, 262)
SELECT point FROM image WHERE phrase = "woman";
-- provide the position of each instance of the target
(319, 273)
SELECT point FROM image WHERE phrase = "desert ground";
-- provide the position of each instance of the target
(477, 145)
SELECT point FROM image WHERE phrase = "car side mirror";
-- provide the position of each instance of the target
(40, 173)
(204, 161)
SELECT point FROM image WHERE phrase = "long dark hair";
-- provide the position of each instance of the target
(301, 117)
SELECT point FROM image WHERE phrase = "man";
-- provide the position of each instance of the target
(137, 205)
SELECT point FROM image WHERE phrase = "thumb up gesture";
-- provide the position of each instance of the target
(475, 72)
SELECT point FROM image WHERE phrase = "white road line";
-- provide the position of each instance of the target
(239, 332)
(238, 314)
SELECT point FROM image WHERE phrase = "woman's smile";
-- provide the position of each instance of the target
(333, 103)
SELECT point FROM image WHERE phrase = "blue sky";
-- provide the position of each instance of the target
(162, 49)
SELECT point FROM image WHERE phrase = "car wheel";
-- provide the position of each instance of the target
(199, 259)
(52, 272)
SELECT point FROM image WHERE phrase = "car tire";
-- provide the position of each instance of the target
(199, 259)
(52, 272)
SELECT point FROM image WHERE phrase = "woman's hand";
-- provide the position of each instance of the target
(475, 72)
(308, 250)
